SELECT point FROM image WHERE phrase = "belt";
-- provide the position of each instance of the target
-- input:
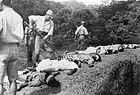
(82, 34)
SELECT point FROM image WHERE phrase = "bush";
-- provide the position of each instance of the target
(59, 41)
(122, 77)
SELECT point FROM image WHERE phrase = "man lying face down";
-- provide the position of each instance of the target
(32, 78)
(57, 65)
(45, 73)
(82, 57)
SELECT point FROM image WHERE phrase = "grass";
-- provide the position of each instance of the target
(122, 77)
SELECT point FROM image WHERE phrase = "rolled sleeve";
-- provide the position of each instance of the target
(18, 31)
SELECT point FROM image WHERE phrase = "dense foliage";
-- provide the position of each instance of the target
(118, 22)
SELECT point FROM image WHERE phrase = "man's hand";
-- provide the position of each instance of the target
(44, 38)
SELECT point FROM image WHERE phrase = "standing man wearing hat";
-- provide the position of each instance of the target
(11, 34)
(45, 26)
(81, 33)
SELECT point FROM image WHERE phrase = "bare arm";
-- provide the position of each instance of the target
(51, 30)
(50, 33)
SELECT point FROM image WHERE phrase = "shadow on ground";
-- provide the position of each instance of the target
(46, 91)
(42, 90)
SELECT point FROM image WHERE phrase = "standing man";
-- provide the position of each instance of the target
(81, 33)
(30, 38)
(11, 34)
(45, 26)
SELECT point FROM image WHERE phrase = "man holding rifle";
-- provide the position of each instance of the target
(45, 26)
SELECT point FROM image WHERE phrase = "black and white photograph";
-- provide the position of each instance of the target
(69, 47)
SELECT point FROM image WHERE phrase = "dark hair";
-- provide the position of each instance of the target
(7, 2)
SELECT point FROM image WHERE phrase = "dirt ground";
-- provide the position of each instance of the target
(83, 82)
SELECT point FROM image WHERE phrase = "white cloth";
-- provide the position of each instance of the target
(91, 50)
(102, 50)
(115, 47)
(11, 26)
(34, 17)
(55, 64)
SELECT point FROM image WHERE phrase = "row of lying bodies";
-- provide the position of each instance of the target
(47, 69)
(93, 54)
(109, 49)
(69, 61)
(88, 56)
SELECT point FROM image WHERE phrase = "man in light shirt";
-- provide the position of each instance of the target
(45, 26)
(11, 34)
(81, 33)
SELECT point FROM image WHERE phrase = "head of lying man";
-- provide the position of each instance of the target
(91, 63)
(96, 57)
(78, 63)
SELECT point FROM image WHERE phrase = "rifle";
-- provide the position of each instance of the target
(45, 41)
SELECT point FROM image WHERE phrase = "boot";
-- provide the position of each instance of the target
(51, 81)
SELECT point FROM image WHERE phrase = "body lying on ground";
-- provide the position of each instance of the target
(131, 46)
(109, 49)
(89, 59)
(56, 65)
(45, 73)
(33, 78)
